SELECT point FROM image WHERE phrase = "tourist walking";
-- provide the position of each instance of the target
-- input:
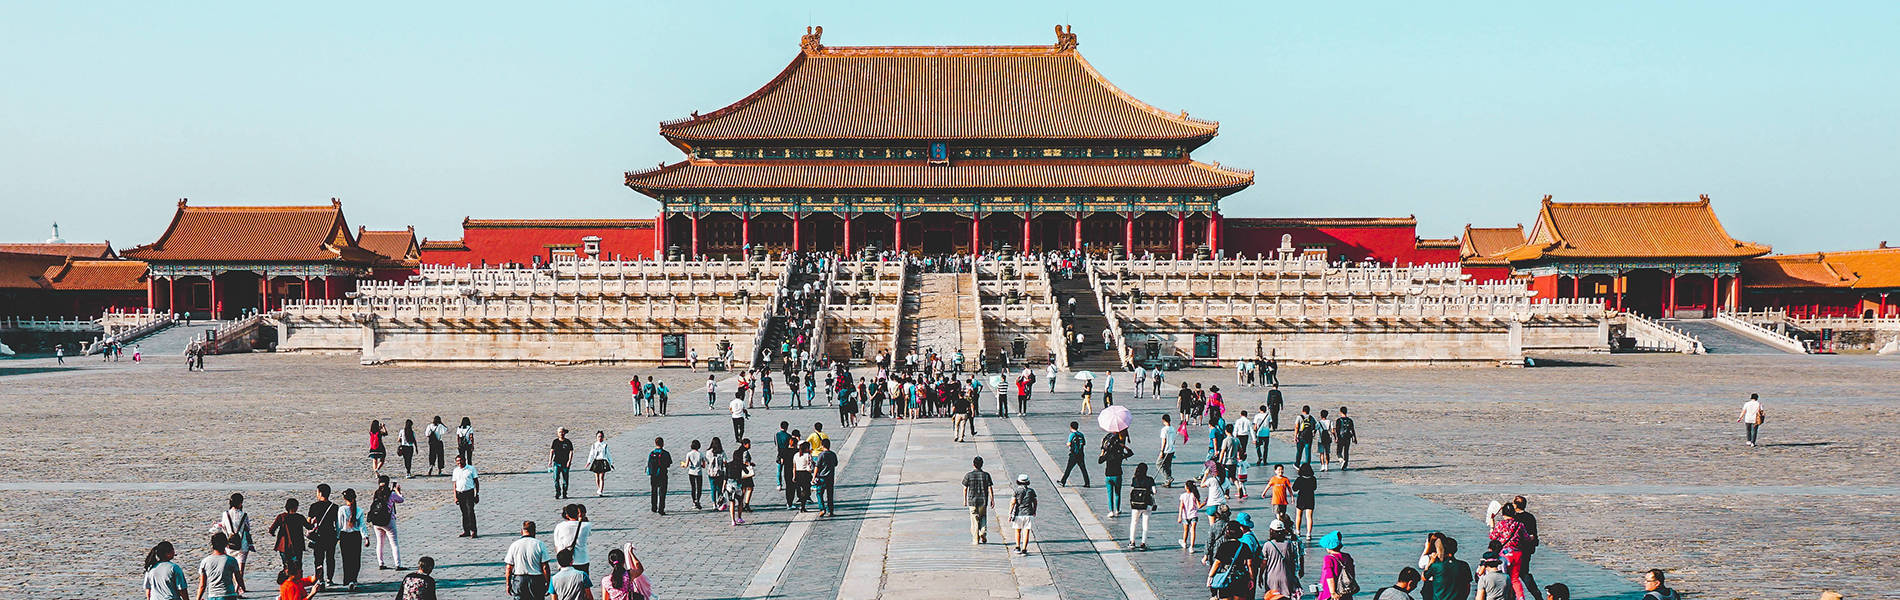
(1262, 435)
(406, 447)
(695, 464)
(525, 566)
(468, 491)
(1114, 450)
(738, 410)
(784, 445)
(59, 355)
(349, 536)
(600, 460)
(382, 522)
(1141, 379)
(712, 391)
(1324, 435)
(1189, 514)
(1155, 378)
(465, 442)
(323, 532)
(288, 528)
(628, 580)
(1278, 488)
(1022, 512)
(164, 579)
(236, 527)
(824, 479)
(572, 533)
(1166, 456)
(716, 473)
(1338, 579)
(1513, 539)
(218, 573)
(1279, 560)
(377, 453)
(436, 432)
(737, 492)
(1088, 387)
(1141, 505)
(1303, 432)
(1077, 444)
(978, 496)
(1305, 492)
(1752, 418)
(1230, 573)
(659, 467)
(1275, 402)
(419, 585)
(1344, 435)
(802, 475)
(561, 461)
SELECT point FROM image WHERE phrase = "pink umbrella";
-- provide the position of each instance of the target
(1115, 418)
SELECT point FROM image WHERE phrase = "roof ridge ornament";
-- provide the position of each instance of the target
(810, 42)
(1065, 37)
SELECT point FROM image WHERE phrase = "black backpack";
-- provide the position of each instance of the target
(1342, 429)
(379, 509)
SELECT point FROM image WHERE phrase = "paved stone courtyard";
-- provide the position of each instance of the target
(1631, 462)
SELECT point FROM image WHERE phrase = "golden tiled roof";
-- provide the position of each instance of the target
(397, 247)
(1609, 230)
(1481, 245)
(256, 233)
(73, 249)
(468, 223)
(938, 93)
(20, 271)
(695, 175)
(1853, 269)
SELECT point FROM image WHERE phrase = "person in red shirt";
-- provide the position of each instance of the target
(1280, 486)
(290, 587)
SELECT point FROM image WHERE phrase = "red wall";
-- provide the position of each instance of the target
(523, 244)
(1487, 274)
(1386, 243)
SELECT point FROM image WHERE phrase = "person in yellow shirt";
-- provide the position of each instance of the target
(818, 440)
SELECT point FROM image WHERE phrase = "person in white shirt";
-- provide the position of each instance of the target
(1262, 435)
(572, 532)
(1141, 378)
(1243, 437)
(1240, 373)
(468, 490)
(1051, 372)
(738, 410)
(997, 384)
(1166, 458)
(436, 432)
(164, 579)
(525, 568)
(696, 472)
(1752, 417)
(600, 460)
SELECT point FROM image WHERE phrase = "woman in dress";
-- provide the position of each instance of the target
(465, 442)
(406, 447)
(1305, 487)
(376, 450)
(600, 460)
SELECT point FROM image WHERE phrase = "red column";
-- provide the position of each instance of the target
(797, 224)
(329, 291)
(694, 251)
(976, 232)
(1734, 292)
(1180, 236)
(263, 293)
(745, 232)
(1669, 310)
(1128, 234)
(306, 288)
(151, 293)
(1078, 231)
(1622, 285)
(659, 240)
(847, 233)
(1715, 293)
(214, 295)
(1213, 234)
(1883, 305)
(897, 232)
(1028, 218)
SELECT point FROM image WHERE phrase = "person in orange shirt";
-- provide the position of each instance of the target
(1280, 486)
(290, 587)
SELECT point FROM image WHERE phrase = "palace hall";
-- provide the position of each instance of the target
(939, 149)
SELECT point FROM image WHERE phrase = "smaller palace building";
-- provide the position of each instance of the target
(1855, 283)
(1663, 259)
(527, 242)
(222, 261)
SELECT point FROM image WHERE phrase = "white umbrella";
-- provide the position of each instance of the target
(1115, 418)
(1084, 375)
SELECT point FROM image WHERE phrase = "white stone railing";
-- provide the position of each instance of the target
(1122, 354)
(1282, 265)
(606, 268)
(1847, 323)
(128, 326)
(529, 308)
(1353, 308)
(1768, 336)
(50, 324)
(1670, 338)
(1058, 341)
(1327, 285)
(543, 284)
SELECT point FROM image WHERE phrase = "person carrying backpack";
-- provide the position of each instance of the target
(1078, 444)
(382, 521)
(1343, 437)
(1303, 431)
(1338, 580)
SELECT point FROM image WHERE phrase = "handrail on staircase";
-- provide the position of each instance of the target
(1059, 342)
(1687, 344)
(1120, 340)
(1784, 341)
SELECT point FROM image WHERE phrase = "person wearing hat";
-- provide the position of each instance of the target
(1022, 511)
(1338, 580)
(1492, 584)
(1279, 560)
(1230, 573)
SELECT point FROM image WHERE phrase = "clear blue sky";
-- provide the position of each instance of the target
(421, 114)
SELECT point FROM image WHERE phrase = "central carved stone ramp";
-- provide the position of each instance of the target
(938, 326)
